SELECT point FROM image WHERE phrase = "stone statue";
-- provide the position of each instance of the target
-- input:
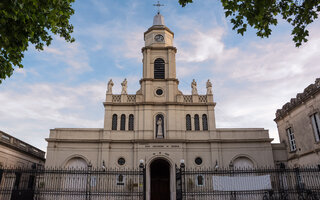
(159, 128)
(124, 86)
(110, 85)
(194, 87)
(209, 87)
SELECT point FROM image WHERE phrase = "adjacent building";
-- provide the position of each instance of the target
(298, 124)
(15, 153)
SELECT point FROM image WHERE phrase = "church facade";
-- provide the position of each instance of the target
(161, 127)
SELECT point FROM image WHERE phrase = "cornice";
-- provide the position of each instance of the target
(24, 151)
(308, 93)
(159, 80)
(159, 140)
(159, 48)
(295, 155)
(159, 103)
(158, 27)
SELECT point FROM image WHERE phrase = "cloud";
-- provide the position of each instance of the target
(250, 82)
(273, 61)
(116, 38)
(72, 55)
(202, 45)
(33, 109)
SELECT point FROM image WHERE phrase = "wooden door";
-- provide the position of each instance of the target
(160, 180)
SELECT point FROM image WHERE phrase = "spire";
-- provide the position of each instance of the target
(158, 20)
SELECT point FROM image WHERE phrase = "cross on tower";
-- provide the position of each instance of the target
(158, 5)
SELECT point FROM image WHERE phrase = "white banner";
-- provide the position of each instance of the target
(241, 183)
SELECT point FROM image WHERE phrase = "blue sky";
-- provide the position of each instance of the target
(65, 85)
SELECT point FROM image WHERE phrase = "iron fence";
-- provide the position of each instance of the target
(68, 184)
(243, 184)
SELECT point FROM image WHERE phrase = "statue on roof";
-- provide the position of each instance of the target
(194, 88)
(209, 87)
(110, 85)
(124, 86)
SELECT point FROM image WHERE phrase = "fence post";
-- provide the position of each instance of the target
(183, 182)
(282, 190)
(88, 190)
(299, 185)
(178, 184)
(143, 173)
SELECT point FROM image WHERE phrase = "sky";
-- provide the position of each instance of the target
(64, 85)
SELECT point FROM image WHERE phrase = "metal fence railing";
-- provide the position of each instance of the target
(243, 184)
(69, 184)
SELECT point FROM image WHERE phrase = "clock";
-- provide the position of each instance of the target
(159, 38)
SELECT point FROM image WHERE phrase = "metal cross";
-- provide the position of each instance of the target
(158, 5)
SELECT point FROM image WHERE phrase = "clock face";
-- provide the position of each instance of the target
(158, 38)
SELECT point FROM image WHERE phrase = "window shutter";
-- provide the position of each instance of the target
(188, 122)
(204, 122)
(196, 122)
(123, 122)
(315, 125)
(114, 122)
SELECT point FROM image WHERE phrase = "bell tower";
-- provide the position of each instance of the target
(159, 83)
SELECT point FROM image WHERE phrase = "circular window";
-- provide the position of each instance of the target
(159, 92)
(121, 161)
(198, 161)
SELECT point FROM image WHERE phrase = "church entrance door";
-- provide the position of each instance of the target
(160, 180)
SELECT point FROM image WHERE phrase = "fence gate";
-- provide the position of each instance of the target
(245, 184)
(78, 184)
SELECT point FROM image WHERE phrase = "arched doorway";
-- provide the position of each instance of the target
(160, 180)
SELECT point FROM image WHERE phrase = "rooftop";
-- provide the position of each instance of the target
(307, 93)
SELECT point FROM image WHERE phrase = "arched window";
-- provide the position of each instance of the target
(123, 122)
(196, 122)
(131, 122)
(114, 121)
(75, 181)
(188, 122)
(159, 68)
(76, 163)
(204, 122)
(243, 163)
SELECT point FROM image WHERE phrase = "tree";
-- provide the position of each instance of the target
(24, 22)
(261, 14)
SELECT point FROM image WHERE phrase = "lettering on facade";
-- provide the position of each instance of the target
(161, 146)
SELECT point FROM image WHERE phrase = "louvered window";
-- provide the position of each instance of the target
(131, 122)
(196, 122)
(315, 119)
(114, 122)
(188, 122)
(123, 122)
(204, 122)
(292, 141)
(159, 68)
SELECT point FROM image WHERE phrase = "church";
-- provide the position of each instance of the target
(161, 127)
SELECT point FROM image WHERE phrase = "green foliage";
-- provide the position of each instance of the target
(262, 14)
(30, 21)
(185, 2)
